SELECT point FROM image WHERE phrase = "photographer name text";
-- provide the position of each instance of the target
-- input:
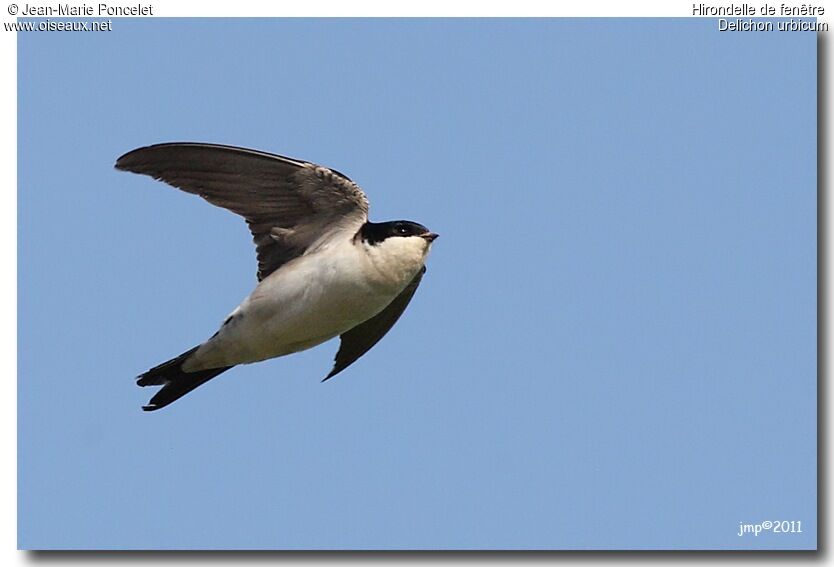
(89, 10)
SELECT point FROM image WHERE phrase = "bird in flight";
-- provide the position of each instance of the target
(324, 270)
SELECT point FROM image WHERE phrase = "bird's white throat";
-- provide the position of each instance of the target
(398, 259)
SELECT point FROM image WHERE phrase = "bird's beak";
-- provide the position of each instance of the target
(430, 236)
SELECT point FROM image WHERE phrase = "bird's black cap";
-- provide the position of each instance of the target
(376, 232)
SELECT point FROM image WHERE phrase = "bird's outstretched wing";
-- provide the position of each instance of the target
(364, 336)
(288, 204)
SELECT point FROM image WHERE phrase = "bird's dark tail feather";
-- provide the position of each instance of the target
(174, 380)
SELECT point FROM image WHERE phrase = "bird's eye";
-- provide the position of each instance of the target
(401, 229)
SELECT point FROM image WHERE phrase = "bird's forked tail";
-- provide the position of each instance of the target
(174, 380)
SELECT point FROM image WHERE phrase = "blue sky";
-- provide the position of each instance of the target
(614, 345)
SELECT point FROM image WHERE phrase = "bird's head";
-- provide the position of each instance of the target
(397, 248)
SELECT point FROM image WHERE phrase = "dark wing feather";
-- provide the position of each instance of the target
(287, 203)
(364, 336)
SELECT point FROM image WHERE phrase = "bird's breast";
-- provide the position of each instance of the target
(305, 303)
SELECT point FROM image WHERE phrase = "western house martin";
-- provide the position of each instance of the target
(323, 268)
